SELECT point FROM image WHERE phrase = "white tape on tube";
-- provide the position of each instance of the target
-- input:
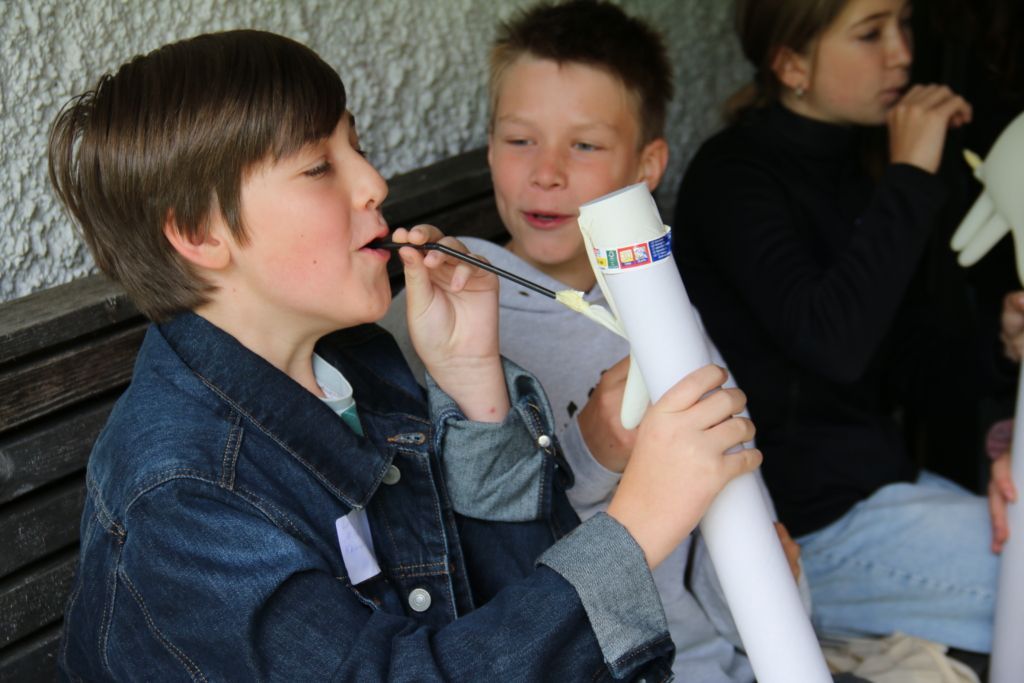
(1007, 661)
(630, 252)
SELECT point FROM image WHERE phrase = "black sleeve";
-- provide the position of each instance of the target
(829, 318)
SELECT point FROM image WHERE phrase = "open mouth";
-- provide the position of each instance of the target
(371, 246)
(546, 220)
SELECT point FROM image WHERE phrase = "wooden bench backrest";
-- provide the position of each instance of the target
(66, 353)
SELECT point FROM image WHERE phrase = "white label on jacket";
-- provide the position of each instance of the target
(356, 546)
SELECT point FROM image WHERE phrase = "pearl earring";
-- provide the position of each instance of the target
(798, 91)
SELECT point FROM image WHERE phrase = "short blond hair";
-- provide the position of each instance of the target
(597, 34)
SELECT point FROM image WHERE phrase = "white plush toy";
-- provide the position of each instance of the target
(1000, 208)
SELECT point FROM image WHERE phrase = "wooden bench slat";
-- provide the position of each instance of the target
(36, 599)
(478, 218)
(419, 194)
(59, 314)
(50, 450)
(42, 386)
(39, 525)
(34, 659)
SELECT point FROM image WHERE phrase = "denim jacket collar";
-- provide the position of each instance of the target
(285, 411)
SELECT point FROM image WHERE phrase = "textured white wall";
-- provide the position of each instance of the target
(414, 69)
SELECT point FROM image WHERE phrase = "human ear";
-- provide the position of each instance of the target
(653, 160)
(208, 250)
(792, 69)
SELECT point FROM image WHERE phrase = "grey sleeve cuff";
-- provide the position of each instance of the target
(497, 472)
(608, 569)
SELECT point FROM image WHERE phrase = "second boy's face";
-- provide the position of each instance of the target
(563, 135)
(309, 217)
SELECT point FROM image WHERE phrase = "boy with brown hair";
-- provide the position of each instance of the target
(578, 98)
(274, 497)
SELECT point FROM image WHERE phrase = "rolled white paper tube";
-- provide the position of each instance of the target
(629, 239)
(1007, 663)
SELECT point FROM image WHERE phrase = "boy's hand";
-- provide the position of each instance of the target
(918, 124)
(1012, 332)
(1000, 492)
(600, 423)
(679, 463)
(452, 310)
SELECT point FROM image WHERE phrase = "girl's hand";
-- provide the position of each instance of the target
(918, 125)
(452, 314)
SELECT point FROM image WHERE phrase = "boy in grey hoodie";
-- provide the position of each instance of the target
(578, 95)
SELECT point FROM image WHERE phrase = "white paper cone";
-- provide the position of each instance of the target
(627, 242)
(1007, 664)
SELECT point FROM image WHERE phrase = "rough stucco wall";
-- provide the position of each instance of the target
(415, 72)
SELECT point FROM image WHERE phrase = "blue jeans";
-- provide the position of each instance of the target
(914, 558)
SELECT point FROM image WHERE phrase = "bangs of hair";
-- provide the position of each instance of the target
(171, 137)
(242, 97)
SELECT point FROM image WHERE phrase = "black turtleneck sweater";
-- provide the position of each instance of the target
(807, 273)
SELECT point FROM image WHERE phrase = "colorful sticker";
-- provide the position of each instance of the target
(634, 255)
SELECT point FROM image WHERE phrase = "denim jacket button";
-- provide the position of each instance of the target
(419, 600)
(544, 441)
(392, 475)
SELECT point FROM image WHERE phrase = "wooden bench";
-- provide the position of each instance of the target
(66, 354)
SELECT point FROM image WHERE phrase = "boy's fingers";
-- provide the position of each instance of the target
(717, 407)
(416, 276)
(687, 391)
(741, 462)
(423, 233)
(732, 432)
(618, 372)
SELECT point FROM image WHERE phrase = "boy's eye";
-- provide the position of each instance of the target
(585, 146)
(517, 142)
(320, 169)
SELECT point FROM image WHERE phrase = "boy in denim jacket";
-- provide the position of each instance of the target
(274, 497)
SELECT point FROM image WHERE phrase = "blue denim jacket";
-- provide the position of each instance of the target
(209, 550)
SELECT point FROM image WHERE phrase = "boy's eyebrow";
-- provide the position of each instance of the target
(511, 118)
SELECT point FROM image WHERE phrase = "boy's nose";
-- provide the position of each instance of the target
(549, 170)
(371, 188)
